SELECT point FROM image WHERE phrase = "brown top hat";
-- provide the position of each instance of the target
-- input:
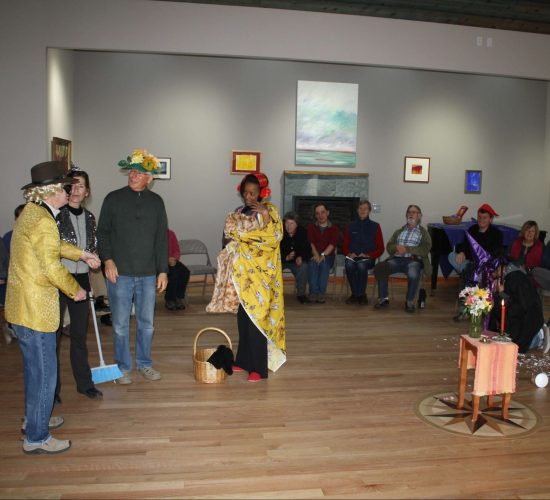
(48, 172)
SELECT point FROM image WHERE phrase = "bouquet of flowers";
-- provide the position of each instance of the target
(477, 301)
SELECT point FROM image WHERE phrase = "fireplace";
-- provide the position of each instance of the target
(343, 209)
(340, 191)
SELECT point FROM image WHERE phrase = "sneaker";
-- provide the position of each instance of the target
(546, 340)
(320, 299)
(409, 308)
(51, 446)
(352, 299)
(254, 377)
(54, 423)
(125, 379)
(149, 373)
(382, 303)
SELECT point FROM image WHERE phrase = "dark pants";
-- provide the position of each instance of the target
(78, 313)
(358, 274)
(178, 277)
(252, 351)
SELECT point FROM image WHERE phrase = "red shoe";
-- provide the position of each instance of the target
(254, 377)
(237, 368)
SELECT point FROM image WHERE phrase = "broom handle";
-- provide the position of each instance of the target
(92, 307)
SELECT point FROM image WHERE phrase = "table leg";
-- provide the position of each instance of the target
(490, 401)
(475, 407)
(462, 375)
(505, 404)
(435, 271)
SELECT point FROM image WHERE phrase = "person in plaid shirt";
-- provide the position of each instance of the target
(409, 248)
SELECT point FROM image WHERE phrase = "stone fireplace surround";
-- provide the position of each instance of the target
(340, 191)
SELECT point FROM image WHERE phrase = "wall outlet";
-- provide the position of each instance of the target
(376, 208)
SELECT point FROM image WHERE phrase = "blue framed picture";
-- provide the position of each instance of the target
(472, 182)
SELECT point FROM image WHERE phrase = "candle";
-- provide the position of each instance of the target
(502, 315)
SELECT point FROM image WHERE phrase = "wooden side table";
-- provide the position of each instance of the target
(494, 365)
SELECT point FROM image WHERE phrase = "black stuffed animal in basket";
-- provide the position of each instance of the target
(223, 358)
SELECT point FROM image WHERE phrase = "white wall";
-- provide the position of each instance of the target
(197, 109)
(179, 28)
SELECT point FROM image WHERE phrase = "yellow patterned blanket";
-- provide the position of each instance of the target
(250, 273)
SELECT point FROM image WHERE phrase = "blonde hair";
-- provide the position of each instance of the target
(41, 193)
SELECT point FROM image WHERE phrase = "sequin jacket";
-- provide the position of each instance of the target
(68, 234)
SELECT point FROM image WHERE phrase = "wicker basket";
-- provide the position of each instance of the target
(448, 219)
(204, 371)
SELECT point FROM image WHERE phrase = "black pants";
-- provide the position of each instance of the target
(78, 313)
(252, 351)
(178, 277)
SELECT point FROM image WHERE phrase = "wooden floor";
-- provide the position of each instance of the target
(337, 421)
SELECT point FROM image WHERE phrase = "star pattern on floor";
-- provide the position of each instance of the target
(441, 411)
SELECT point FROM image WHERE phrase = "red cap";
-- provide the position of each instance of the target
(487, 208)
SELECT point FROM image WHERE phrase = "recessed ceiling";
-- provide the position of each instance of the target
(531, 16)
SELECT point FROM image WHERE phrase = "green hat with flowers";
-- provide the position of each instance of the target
(141, 160)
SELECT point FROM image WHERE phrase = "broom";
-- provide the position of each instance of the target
(103, 372)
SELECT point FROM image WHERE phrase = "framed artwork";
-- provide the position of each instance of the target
(245, 162)
(61, 151)
(164, 172)
(326, 123)
(417, 169)
(472, 182)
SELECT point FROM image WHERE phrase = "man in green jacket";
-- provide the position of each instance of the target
(133, 244)
(408, 247)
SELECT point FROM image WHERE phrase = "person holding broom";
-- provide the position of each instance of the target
(32, 299)
(77, 226)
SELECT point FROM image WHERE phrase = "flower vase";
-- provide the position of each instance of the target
(476, 326)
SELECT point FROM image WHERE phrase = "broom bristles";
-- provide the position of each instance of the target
(105, 373)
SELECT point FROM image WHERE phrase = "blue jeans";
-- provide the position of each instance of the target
(358, 274)
(300, 274)
(318, 275)
(40, 375)
(142, 291)
(457, 267)
(410, 267)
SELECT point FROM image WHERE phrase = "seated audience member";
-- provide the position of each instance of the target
(408, 247)
(488, 236)
(524, 320)
(526, 249)
(295, 253)
(178, 275)
(363, 244)
(323, 238)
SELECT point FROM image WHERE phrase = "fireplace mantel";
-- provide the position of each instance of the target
(326, 184)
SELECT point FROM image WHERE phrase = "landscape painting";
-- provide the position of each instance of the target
(326, 123)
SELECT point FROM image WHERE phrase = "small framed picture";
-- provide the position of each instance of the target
(245, 162)
(61, 150)
(472, 182)
(164, 172)
(417, 169)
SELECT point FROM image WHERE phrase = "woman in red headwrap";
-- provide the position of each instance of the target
(249, 280)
